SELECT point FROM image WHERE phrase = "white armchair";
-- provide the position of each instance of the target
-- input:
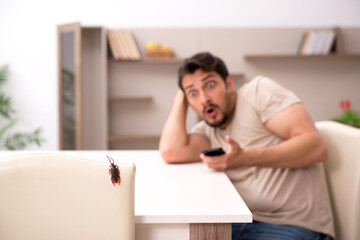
(343, 176)
(52, 196)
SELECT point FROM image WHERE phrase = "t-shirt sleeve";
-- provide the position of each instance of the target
(271, 98)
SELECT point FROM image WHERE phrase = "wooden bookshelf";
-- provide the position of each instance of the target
(83, 128)
(153, 67)
(295, 56)
(162, 60)
(131, 98)
(336, 51)
(128, 100)
(151, 60)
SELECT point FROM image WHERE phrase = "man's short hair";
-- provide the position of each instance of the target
(204, 61)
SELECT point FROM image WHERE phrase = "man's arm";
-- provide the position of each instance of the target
(302, 145)
(176, 145)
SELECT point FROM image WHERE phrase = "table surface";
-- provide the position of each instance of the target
(174, 193)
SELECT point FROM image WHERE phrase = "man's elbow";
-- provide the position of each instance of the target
(168, 155)
(322, 155)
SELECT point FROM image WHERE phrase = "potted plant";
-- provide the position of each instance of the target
(349, 117)
(17, 140)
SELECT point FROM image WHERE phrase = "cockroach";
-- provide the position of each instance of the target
(114, 172)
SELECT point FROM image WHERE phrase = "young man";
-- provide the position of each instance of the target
(272, 148)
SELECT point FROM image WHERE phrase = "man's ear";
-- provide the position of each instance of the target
(230, 84)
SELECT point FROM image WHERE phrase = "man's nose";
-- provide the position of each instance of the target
(205, 99)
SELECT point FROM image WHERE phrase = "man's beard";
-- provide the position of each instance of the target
(223, 120)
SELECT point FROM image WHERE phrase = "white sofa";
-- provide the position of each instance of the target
(52, 196)
(343, 176)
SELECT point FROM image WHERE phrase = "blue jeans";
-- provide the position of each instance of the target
(264, 231)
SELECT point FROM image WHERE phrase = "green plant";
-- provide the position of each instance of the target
(18, 140)
(349, 117)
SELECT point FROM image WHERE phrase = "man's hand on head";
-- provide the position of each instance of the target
(180, 98)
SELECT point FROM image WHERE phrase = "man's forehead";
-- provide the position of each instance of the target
(191, 80)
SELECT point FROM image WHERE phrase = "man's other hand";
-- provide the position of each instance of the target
(232, 158)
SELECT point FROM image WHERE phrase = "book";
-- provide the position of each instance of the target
(304, 42)
(310, 44)
(132, 46)
(330, 41)
(317, 42)
(123, 45)
(113, 44)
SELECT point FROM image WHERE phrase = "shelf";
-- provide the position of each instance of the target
(130, 98)
(133, 137)
(162, 60)
(237, 75)
(152, 60)
(294, 56)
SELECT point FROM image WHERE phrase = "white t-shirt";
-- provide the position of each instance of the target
(274, 195)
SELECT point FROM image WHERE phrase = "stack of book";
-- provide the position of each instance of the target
(317, 42)
(123, 45)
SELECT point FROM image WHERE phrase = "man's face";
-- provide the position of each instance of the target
(210, 97)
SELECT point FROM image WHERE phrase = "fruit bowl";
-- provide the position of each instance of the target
(158, 51)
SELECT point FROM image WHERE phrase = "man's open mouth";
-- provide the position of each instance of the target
(210, 111)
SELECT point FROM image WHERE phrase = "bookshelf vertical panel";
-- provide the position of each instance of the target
(94, 89)
(82, 88)
(70, 84)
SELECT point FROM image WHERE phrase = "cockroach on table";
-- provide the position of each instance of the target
(114, 172)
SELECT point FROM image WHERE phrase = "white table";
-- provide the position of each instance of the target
(177, 201)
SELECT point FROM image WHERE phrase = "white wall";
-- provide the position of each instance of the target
(28, 36)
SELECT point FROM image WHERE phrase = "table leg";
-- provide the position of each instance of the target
(210, 231)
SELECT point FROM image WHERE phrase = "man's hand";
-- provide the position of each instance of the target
(180, 100)
(176, 145)
(232, 159)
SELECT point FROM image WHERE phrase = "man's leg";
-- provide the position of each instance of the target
(264, 231)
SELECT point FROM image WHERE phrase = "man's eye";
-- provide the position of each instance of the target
(210, 84)
(192, 93)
